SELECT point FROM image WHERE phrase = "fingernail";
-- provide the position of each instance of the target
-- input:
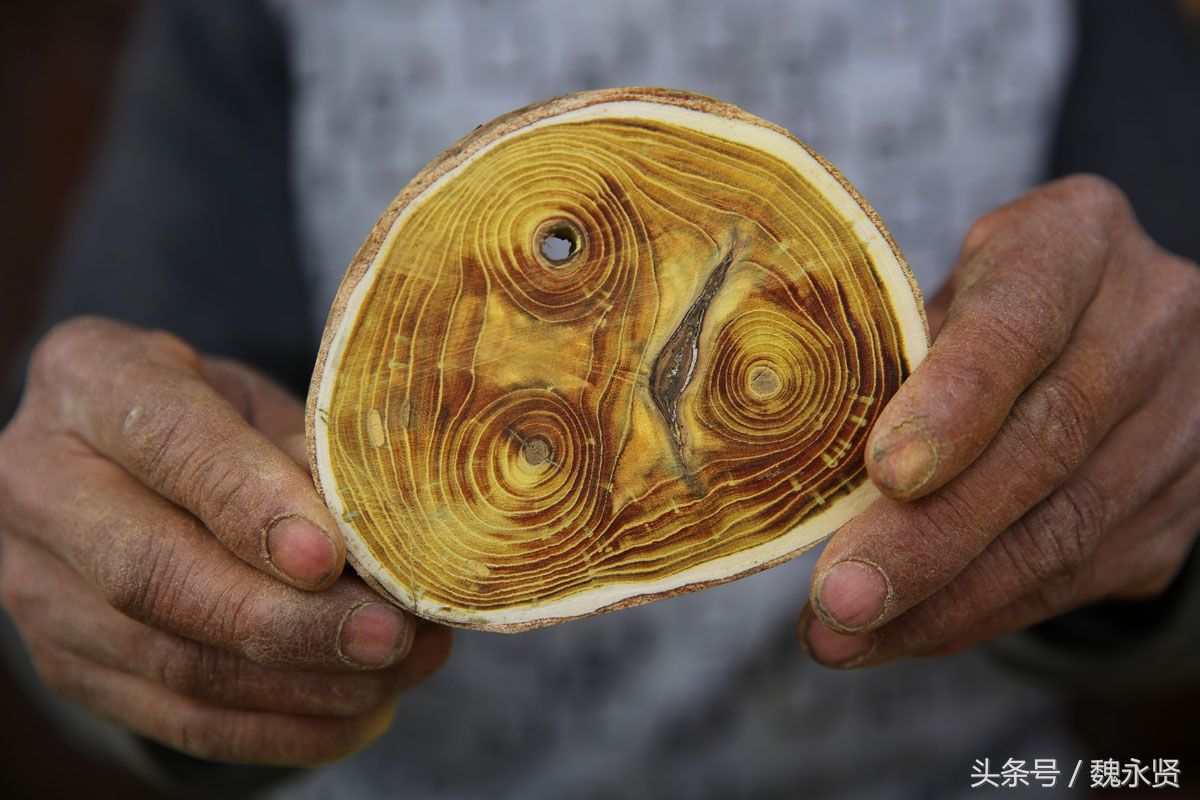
(853, 593)
(835, 649)
(301, 550)
(905, 460)
(373, 635)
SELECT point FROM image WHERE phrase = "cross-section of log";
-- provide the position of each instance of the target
(606, 349)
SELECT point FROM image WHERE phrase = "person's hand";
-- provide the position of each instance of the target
(1045, 455)
(170, 565)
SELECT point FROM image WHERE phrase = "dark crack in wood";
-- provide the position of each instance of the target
(676, 363)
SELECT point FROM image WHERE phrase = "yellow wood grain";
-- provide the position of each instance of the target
(507, 431)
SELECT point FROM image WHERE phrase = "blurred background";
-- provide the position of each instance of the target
(56, 68)
(57, 62)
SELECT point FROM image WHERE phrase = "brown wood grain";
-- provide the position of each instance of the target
(514, 433)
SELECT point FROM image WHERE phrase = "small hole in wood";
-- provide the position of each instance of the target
(560, 244)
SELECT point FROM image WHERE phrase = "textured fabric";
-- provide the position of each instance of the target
(938, 111)
(188, 226)
(187, 221)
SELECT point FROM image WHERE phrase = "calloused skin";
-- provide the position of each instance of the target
(171, 567)
(1045, 455)
(151, 498)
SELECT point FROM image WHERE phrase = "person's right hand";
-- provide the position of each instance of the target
(170, 565)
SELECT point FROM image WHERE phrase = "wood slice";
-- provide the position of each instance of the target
(606, 349)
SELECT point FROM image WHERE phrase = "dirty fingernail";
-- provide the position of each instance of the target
(853, 593)
(835, 649)
(373, 635)
(905, 460)
(301, 550)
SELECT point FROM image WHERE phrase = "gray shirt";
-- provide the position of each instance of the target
(938, 111)
(217, 145)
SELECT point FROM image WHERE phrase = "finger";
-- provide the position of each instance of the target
(1146, 559)
(1051, 601)
(1015, 310)
(296, 447)
(157, 417)
(158, 565)
(1148, 563)
(266, 406)
(828, 647)
(59, 608)
(1073, 546)
(209, 732)
(896, 554)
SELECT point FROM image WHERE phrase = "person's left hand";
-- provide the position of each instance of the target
(1045, 455)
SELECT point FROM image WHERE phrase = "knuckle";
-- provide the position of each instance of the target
(948, 514)
(1094, 207)
(1052, 427)
(1078, 514)
(66, 346)
(157, 436)
(143, 585)
(156, 417)
(214, 607)
(203, 475)
(1058, 537)
(72, 345)
(187, 467)
(1026, 332)
(226, 494)
(239, 617)
(966, 378)
(167, 347)
(51, 666)
(217, 734)
(982, 230)
(185, 667)
(936, 620)
(1028, 551)
(198, 731)
(212, 480)
(215, 675)
(1095, 195)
